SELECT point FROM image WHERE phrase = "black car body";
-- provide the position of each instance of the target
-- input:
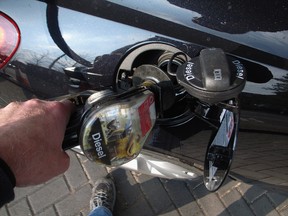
(72, 46)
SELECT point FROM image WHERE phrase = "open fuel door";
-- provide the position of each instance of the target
(216, 79)
(221, 148)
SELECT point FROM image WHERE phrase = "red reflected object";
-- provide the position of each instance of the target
(9, 39)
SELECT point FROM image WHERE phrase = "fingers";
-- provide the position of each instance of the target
(69, 107)
(61, 110)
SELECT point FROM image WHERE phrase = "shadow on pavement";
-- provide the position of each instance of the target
(139, 194)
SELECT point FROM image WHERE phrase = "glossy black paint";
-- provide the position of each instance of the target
(96, 37)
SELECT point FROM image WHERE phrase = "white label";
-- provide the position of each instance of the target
(239, 68)
(188, 71)
(98, 145)
(217, 74)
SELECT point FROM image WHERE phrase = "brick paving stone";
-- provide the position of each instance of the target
(181, 197)
(75, 175)
(251, 174)
(20, 209)
(279, 200)
(248, 155)
(21, 192)
(139, 208)
(283, 162)
(75, 202)
(272, 158)
(281, 169)
(154, 192)
(48, 194)
(285, 184)
(258, 166)
(209, 202)
(92, 170)
(48, 212)
(263, 206)
(235, 204)
(3, 211)
(275, 174)
(228, 185)
(237, 163)
(273, 180)
(284, 212)
(85, 211)
(171, 211)
(128, 191)
(251, 192)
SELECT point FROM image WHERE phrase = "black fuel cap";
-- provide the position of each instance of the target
(212, 76)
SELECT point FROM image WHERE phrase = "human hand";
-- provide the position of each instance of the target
(31, 136)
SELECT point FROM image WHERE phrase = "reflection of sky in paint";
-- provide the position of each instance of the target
(163, 9)
(86, 33)
(275, 41)
(267, 89)
(35, 35)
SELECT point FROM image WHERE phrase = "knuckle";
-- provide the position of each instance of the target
(14, 104)
(57, 108)
(32, 102)
(11, 107)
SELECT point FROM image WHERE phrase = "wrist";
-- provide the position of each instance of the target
(7, 163)
(7, 170)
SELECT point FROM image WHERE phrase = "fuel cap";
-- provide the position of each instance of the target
(212, 76)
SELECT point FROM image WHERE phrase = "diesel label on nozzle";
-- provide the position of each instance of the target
(98, 145)
(94, 143)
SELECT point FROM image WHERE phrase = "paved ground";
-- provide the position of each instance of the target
(139, 194)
